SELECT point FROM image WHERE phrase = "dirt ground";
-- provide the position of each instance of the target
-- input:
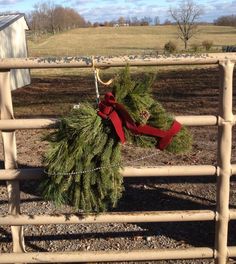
(184, 92)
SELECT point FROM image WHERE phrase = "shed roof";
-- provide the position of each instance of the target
(8, 19)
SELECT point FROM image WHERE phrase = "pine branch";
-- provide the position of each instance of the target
(84, 158)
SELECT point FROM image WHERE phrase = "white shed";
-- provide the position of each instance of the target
(13, 45)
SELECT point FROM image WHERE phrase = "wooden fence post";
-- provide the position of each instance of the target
(10, 158)
(226, 121)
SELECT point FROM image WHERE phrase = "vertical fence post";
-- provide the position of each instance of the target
(224, 159)
(10, 159)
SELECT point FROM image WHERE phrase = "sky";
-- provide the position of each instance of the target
(106, 10)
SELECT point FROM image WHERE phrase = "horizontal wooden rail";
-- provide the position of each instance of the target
(232, 214)
(29, 123)
(198, 120)
(232, 251)
(101, 61)
(191, 170)
(171, 171)
(233, 169)
(104, 256)
(119, 217)
(42, 123)
(22, 174)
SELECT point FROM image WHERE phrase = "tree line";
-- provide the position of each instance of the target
(50, 18)
(133, 21)
(226, 21)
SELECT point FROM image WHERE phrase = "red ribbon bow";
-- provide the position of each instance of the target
(119, 116)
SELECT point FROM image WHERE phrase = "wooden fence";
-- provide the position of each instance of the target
(223, 171)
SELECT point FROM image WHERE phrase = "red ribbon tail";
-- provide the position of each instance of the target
(164, 135)
(120, 117)
(165, 141)
(117, 124)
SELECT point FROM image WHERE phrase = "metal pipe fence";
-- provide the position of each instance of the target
(225, 120)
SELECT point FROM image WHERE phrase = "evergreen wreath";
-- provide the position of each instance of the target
(83, 162)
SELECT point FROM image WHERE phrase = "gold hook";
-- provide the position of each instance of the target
(99, 79)
(96, 72)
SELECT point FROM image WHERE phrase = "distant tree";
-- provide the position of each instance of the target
(121, 21)
(146, 21)
(167, 22)
(185, 16)
(38, 18)
(112, 23)
(106, 24)
(51, 18)
(67, 18)
(226, 21)
(88, 24)
(156, 20)
(135, 21)
(96, 24)
(50, 9)
(128, 21)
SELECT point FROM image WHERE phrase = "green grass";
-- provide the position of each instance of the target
(121, 41)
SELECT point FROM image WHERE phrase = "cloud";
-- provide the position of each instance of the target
(101, 14)
(66, 1)
(215, 9)
(8, 2)
(82, 2)
(133, 1)
(107, 10)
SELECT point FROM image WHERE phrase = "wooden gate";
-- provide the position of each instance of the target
(225, 120)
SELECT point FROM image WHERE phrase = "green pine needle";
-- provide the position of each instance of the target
(84, 158)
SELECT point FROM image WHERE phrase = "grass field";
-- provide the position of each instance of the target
(120, 41)
(124, 40)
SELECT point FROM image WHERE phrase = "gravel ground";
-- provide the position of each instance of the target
(181, 93)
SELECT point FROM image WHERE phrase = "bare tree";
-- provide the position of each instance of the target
(167, 22)
(229, 20)
(145, 21)
(186, 17)
(121, 21)
(50, 18)
(156, 20)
